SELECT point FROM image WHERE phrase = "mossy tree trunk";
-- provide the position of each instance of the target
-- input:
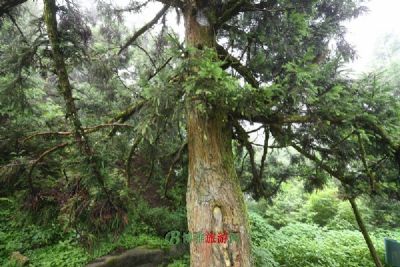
(215, 201)
(364, 232)
(65, 89)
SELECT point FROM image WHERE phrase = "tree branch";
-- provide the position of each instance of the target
(174, 3)
(319, 163)
(177, 157)
(159, 69)
(144, 29)
(265, 150)
(123, 116)
(132, 151)
(69, 133)
(263, 7)
(235, 63)
(153, 63)
(39, 159)
(229, 10)
(129, 111)
(279, 119)
(256, 182)
(7, 5)
(363, 157)
(18, 28)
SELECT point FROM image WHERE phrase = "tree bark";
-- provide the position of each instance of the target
(364, 232)
(215, 202)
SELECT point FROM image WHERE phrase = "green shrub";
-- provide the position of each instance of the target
(182, 262)
(162, 219)
(286, 207)
(322, 207)
(305, 245)
(64, 254)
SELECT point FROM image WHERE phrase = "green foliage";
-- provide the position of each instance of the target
(344, 218)
(285, 208)
(183, 262)
(161, 219)
(65, 253)
(322, 207)
(50, 246)
(261, 231)
(384, 212)
(286, 49)
(304, 245)
(209, 82)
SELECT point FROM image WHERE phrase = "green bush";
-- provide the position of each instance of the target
(64, 254)
(182, 262)
(305, 245)
(322, 207)
(162, 219)
(286, 207)
(48, 245)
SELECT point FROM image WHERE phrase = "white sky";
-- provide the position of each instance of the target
(366, 31)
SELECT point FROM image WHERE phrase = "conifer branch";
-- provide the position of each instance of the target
(145, 28)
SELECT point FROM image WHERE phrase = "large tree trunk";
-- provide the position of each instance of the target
(214, 199)
(364, 232)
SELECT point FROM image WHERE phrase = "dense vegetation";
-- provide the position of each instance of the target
(318, 229)
(109, 140)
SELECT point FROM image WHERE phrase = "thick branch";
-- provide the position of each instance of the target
(128, 112)
(256, 182)
(18, 28)
(123, 116)
(69, 133)
(144, 29)
(265, 150)
(173, 3)
(132, 151)
(230, 9)
(7, 5)
(235, 63)
(319, 163)
(264, 7)
(279, 119)
(361, 122)
(157, 70)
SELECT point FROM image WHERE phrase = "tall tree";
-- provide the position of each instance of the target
(267, 62)
(284, 42)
